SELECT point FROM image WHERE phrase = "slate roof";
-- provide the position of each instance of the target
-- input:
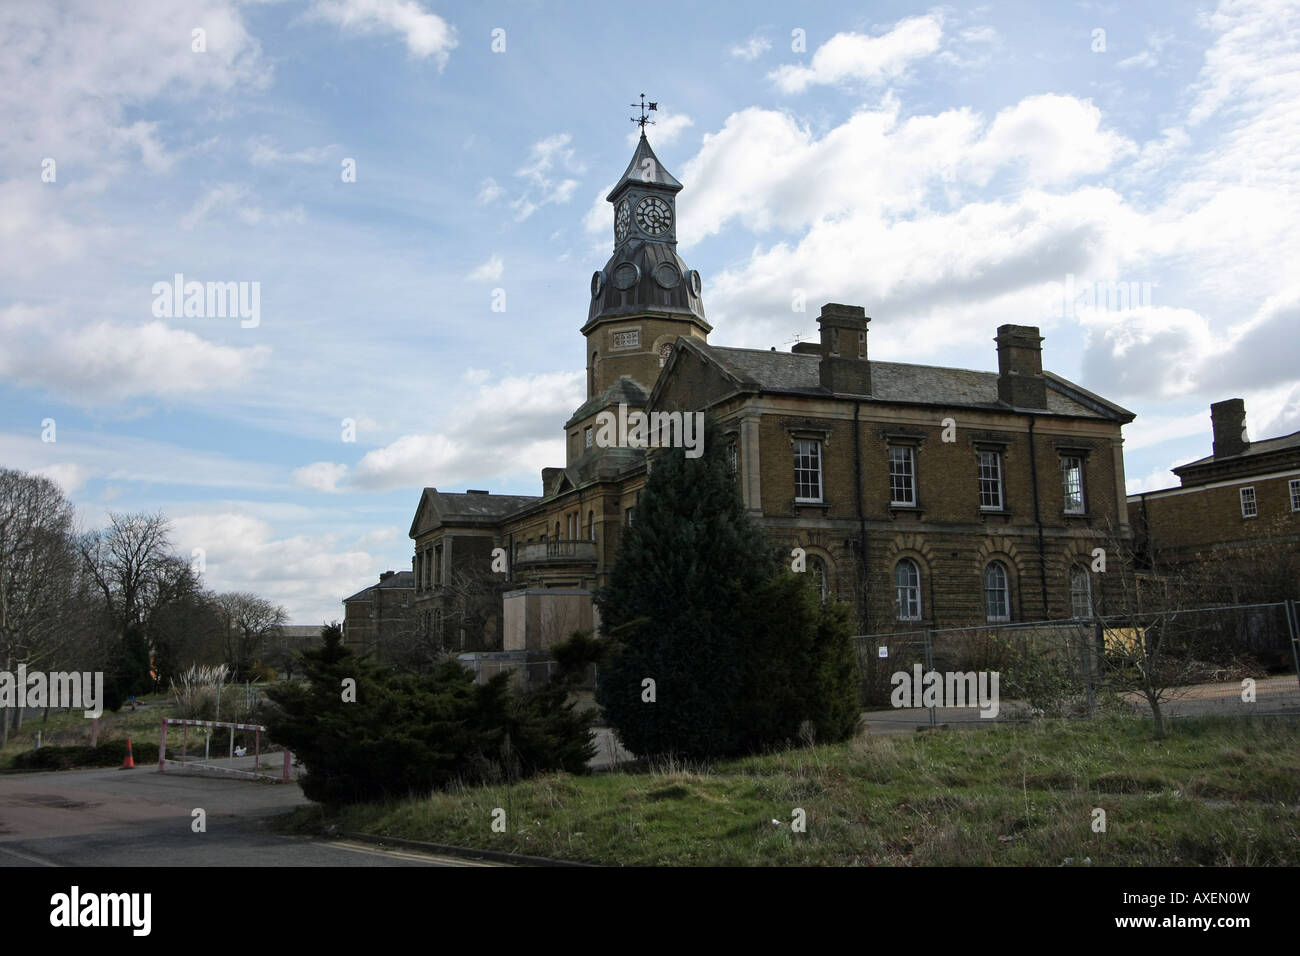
(637, 168)
(902, 382)
(626, 391)
(398, 579)
(1255, 448)
(457, 505)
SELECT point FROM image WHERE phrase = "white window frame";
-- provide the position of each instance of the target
(1249, 502)
(817, 568)
(1293, 486)
(994, 480)
(902, 478)
(809, 449)
(1074, 463)
(908, 596)
(1004, 591)
(1078, 573)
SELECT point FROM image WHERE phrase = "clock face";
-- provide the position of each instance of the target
(654, 216)
(622, 221)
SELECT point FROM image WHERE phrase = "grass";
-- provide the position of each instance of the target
(70, 728)
(1218, 791)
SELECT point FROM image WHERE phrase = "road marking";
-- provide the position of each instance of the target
(418, 857)
(23, 856)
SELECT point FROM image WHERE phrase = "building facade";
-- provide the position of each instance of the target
(379, 614)
(925, 496)
(1234, 520)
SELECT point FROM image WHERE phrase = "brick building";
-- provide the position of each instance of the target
(926, 496)
(378, 613)
(1235, 517)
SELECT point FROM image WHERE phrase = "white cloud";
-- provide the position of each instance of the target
(69, 476)
(489, 191)
(489, 271)
(264, 152)
(320, 476)
(106, 361)
(308, 574)
(1056, 138)
(68, 78)
(506, 430)
(215, 197)
(548, 160)
(873, 60)
(751, 49)
(666, 130)
(426, 34)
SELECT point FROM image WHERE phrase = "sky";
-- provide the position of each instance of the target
(410, 196)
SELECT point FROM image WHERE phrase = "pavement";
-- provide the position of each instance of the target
(143, 818)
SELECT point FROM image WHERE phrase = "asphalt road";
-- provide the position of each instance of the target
(143, 818)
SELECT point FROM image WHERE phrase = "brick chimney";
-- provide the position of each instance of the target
(1229, 421)
(844, 368)
(1020, 366)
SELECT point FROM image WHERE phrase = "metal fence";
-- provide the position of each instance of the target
(524, 673)
(1239, 659)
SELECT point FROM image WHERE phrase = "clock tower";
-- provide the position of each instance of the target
(646, 296)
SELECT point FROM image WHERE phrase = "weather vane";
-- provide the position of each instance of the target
(645, 107)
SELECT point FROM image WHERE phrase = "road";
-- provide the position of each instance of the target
(143, 818)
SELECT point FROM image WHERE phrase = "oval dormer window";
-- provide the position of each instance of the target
(667, 275)
(626, 275)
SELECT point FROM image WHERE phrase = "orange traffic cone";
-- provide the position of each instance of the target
(129, 763)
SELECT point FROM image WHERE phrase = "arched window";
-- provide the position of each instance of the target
(907, 587)
(997, 595)
(1080, 592)
(820, 579)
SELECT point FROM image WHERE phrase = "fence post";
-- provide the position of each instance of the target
(287, 758)
(929, 664)
(1088, 671)
(1290, 609)
(162, 745)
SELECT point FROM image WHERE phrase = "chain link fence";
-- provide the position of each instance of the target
(1239, 659)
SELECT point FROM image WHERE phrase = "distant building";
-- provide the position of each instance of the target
(1235, 517)
(283, 646)
(379, 613)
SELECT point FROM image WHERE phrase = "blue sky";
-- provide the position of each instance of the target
(951, 168)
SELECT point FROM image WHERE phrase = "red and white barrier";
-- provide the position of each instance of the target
(185, 725)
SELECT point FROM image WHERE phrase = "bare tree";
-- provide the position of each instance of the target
(136, 572)
(1148, 629)
(44, 618)
(251, 622)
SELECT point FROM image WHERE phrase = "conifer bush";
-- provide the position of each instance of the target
(410, 734)
(740, 649)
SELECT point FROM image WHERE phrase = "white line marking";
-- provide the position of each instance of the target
(419, 857)
(23, 856)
